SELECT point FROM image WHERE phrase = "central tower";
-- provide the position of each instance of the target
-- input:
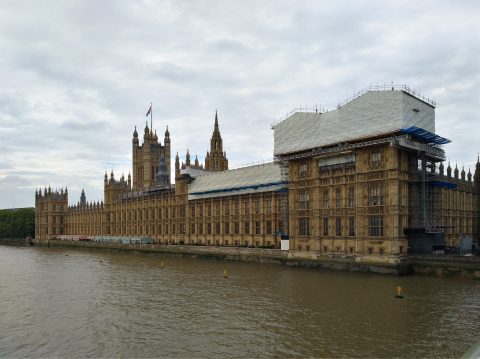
(151, 160)
(216, 159)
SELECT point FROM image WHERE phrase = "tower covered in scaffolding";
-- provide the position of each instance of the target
(366, 178)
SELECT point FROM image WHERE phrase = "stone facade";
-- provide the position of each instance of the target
(364, 197)
(366, 206)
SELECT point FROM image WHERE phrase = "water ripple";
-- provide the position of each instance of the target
(58, 303)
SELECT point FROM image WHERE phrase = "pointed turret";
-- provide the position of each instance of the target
(135, 138)
(440, 169)
(162, 175)
(469, 175)
(167, 134)
(476, 175)
(462, 174)
(177, 166)
(83, 198)
(449, 170)
(455, 172)
(216, 159)
(187, 159)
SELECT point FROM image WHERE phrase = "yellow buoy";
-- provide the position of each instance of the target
(162, 265)
(225, 274)
(399, 292)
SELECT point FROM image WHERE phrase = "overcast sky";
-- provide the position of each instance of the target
(77, 76)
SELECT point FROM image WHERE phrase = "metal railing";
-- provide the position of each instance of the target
(391, 87)
(384, 87)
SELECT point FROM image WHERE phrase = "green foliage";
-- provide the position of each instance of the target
(17, 223)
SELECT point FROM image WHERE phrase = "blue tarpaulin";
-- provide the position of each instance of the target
(437, 183)
(425, 135)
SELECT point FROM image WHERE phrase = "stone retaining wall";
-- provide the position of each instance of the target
(259, 255)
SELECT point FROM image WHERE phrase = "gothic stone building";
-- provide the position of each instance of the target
(365, 180)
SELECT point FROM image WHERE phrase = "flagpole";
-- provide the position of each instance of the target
(151, 117)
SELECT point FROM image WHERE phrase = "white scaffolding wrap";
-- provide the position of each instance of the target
(253, 179)
(371, 114)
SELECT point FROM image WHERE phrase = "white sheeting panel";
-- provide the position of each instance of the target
(237, 192)
(373, 113)
(233, 182)
(336, 160)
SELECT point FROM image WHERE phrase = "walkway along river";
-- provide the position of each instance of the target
(58, 302)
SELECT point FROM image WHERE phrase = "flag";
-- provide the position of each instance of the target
(149, 110)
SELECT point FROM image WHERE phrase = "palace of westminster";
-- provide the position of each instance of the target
(366, 179)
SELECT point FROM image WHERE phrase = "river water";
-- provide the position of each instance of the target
(80, 303)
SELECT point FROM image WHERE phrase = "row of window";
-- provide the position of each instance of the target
(375, 157)
(375, 226)
(245, 207)
(244, 227)
(375, 197)
(198, 210)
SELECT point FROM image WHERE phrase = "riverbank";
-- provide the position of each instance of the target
(259, 255)
(441, 266)
(468, 267)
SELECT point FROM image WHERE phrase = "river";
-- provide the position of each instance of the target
(80, 303)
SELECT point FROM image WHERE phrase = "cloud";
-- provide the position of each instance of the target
(78, 76)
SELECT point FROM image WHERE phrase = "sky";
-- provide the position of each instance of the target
(76, 77)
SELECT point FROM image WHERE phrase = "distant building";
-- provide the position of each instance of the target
(364, 180)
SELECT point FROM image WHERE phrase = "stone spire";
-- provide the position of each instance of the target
(83, 199)
(146, 134)
(187, 159)
(476, 175)
(177, 166)
(216, 159)
(162, 175)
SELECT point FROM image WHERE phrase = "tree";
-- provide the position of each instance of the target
(17, 223)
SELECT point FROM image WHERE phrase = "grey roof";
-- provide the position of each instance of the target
(373, 113)
(252, 179)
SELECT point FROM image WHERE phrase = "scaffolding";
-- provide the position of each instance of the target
(401, 140)
(284, 211)
(425, 196)
(424, 184)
